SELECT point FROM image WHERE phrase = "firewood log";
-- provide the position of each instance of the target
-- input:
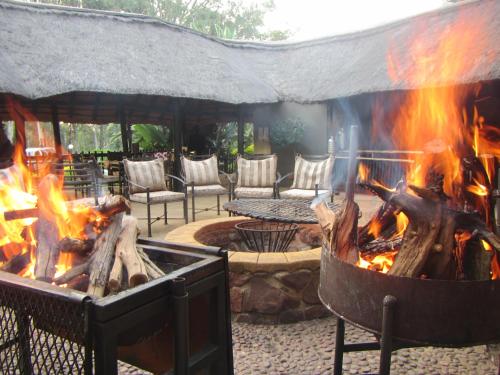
(75, 245)
(340, 229)
(104, 249)
(116, 274)
(127, 251)
(47, 236)
(152, 269)
(113, 204)
(17, 263)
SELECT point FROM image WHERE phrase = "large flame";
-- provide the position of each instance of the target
(19, 190)
(441, 120)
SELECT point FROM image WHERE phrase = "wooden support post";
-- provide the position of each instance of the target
(123, 128)
(56, 128)
(241, 135)
(177, 128)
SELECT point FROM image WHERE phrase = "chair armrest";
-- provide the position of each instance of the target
(133, 183)
(176, 178)
(228, 175)
(282, 178)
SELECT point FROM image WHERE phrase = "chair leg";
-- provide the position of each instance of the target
(185, 204)
(165, 212)
(148, 204)
(149, 219)
(192, 203)
(218, 204)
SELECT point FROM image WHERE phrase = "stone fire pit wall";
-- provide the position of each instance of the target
(264, 287)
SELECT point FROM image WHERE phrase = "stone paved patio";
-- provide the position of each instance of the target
(307, 348)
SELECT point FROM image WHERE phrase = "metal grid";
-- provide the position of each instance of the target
(282, 210)
(266, 236)
(40, 333)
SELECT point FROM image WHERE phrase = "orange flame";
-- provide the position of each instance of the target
(18, 190)
(381, 262)
(363, 172)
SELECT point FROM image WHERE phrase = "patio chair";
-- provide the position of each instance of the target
(256, 177)
(146, 184)
(311, 177)
(79, 177)
(202, 179)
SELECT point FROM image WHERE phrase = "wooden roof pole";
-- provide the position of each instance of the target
(56, 128)
(123, 128)
(241, 131)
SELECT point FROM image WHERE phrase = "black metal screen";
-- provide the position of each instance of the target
(41, 333)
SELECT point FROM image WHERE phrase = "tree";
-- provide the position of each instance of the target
(228, 19)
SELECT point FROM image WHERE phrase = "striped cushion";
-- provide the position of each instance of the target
(257, 173)
(201, 172)
(307, 174)
(150, 174)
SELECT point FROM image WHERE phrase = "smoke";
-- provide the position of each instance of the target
(350, 117)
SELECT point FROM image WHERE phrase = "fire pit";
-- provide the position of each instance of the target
(178, 321)
(267, 236)
(265, 287)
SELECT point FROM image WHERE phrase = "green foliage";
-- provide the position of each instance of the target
(287, 132)
(228, 19)
(151, 137)
(225, 138)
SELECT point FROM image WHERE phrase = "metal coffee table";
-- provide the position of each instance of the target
(281, 210)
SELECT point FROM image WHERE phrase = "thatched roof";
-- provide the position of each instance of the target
(49, 50)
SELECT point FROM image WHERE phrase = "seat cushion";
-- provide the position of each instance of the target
(208, 190)
(157, 197)
(257, 173)
(201, 172)
(148, 174)
(307, 174)
(249, 192)
(300, 194)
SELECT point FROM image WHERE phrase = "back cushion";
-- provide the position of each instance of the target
(257, 173)
(309, 173)
(201, 172)
(149, 174)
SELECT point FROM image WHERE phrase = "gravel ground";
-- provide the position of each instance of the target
(307, 348)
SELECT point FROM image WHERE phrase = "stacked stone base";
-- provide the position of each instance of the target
(276, 297)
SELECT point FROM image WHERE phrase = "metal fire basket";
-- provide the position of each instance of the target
(179, 323)
(266, 236)
(407, 312)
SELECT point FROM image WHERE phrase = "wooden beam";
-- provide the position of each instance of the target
(241, 130)
(56, 128)
(123, 128)
(177, 136)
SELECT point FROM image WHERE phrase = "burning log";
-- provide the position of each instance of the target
(434, 241)
(21, 214)
(80, 283)
(17, 263)
(47, 251)
(75, 245)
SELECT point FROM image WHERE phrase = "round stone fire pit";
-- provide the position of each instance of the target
(265, 287)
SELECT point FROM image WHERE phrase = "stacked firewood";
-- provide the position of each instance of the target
(438, 243)
(106, 260)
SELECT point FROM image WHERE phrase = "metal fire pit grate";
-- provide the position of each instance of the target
(266, 236)
(41, 333)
